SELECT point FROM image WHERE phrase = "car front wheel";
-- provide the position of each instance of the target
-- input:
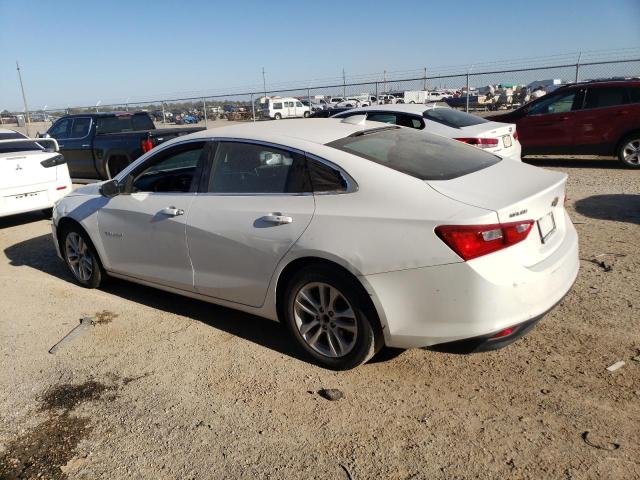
(81, 257)
(331, 318)
(629, 151)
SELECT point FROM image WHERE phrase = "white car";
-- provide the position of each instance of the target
(33, 176)
(353, 235)
(498, 138)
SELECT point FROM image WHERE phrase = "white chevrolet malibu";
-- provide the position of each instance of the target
(353, 235)
(32, 175)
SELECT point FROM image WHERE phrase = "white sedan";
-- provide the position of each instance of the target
(498, 138)
(353, 236)
(32, 177)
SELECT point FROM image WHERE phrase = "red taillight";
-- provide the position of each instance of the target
(515, 134)
(472, 241)
(147, 145)
(61, 188)
(480, 142)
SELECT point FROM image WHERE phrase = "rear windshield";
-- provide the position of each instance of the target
(124, 123)
(416, 153)
(10, 147)
(453, 118)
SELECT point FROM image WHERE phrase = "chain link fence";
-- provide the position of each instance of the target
(208, 110)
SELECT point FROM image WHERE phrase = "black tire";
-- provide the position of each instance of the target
(368, 337)
(631, 141)
(115, 165)
(47, 212)
(306, 114)
(97, 276)
(277, 116)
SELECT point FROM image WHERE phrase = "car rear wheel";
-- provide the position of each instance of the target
(277, 116)
(306, 114)
(81, 257)
(331, 318)
(629, 151)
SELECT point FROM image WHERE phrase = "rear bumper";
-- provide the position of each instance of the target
(427, 306)
(31, 198)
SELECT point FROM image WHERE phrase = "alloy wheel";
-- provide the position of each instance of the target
(325, 319)
(79, 256)
(631, 152)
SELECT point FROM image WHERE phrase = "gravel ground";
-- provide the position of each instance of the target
(160, 386)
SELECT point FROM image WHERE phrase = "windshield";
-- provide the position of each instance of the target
(421, 155)
(11, 147)
(453, 118)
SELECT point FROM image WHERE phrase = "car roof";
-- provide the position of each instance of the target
(313, 130)
(415, 108)
(601, 83)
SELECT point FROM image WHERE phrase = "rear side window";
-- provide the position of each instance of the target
(634, 94)
(247, 168)
(325, 178)
(80, 127)
(452, 118)
(421, 155)
(11, 147)
(124, 123)
(277, 106)
(381, 117)
(605, 97)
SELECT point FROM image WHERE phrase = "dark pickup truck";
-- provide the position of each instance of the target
(99, 145)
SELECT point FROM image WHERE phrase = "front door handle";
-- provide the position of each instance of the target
(172, 211)
(86, 145)
(277, 218)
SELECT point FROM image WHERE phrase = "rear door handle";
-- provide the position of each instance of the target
(172, 211)
(277, 218)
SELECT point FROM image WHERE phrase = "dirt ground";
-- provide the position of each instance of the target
(160, 386)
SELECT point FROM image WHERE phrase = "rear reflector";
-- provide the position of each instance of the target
(61, 188)
(473, 241)
(503, 333)
(480, 142)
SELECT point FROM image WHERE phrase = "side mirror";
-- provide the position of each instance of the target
(110, 189)
(43, 135)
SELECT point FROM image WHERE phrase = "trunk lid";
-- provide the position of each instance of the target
(21, 169)
(516, 191)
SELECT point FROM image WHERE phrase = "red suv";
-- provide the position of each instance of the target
(590, 118)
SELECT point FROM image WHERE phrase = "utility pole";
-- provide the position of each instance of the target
(264, 83)
(24, 99)
(344, 85)
(384, 79)
(425, 79)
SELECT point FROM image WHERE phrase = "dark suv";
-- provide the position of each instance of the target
(590, 118)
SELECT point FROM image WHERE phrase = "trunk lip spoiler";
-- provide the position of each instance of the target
(53, 141)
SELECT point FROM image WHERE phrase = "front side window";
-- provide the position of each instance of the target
(298, 104)
(561, 103)
(634, 94)
(247, 168)
(80, 127)
(420, 155)
(61, 129)
(605, 97)
(171, 171)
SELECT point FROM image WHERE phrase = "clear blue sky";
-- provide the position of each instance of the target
(77, 52)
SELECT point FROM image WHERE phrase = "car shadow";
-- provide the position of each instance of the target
(22, 219)
(608, 163)
(39, 253)
(616, 207)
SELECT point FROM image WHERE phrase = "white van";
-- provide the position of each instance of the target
(286, 107)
